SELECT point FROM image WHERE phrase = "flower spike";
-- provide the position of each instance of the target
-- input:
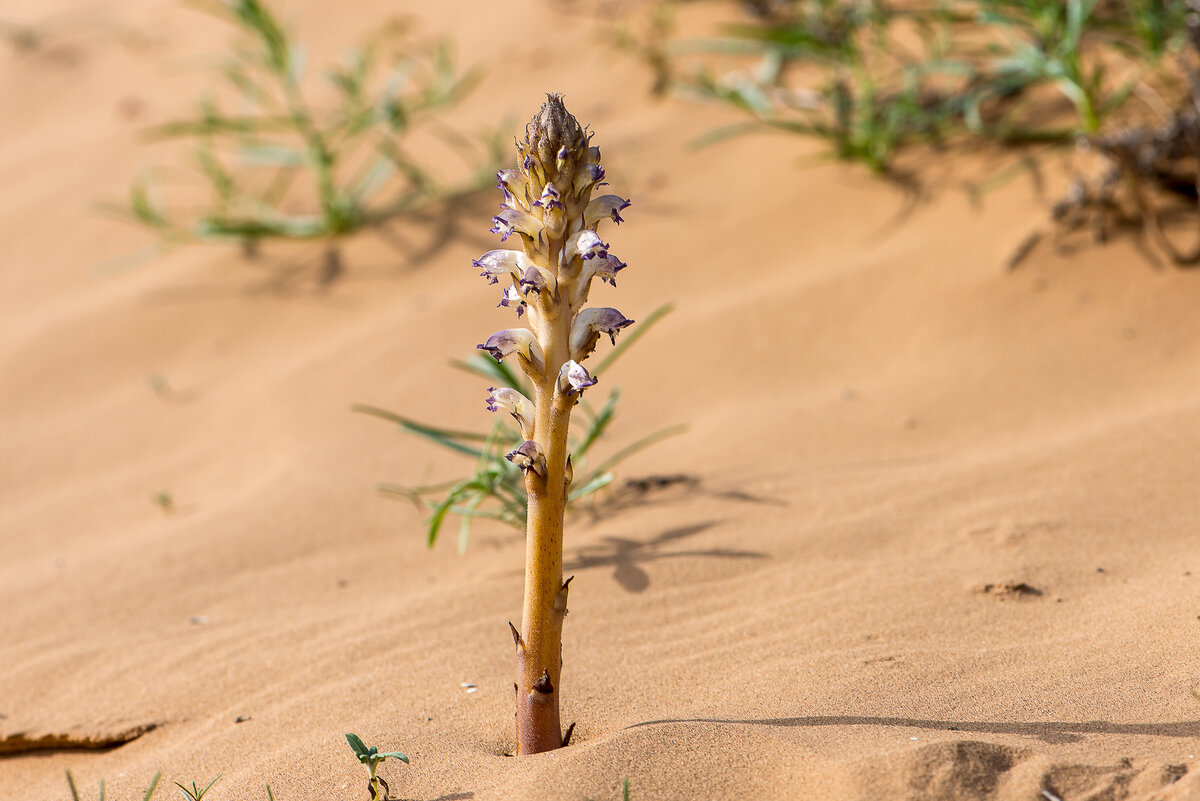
(548, 200)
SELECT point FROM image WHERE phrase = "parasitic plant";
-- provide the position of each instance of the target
(549, 208)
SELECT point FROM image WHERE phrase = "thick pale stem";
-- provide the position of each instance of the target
(539, 646)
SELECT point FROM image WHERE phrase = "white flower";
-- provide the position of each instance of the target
(513, 402)
(528, 456)
(573, 378)
(588, 326)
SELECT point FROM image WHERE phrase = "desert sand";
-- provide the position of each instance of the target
(940, 538)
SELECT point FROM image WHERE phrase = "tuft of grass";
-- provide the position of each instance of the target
(75, 790)
(195, 793)
(495, 489)
(279, 164)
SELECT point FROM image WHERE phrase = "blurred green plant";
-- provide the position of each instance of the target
(968, 71)
(496, 488)
(282, 149)
(871, 94)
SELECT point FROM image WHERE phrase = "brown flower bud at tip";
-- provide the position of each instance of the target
(554, 138)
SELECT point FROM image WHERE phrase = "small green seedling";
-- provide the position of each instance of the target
(195, 794)
(164, 500)
(372, 757)
(75, 790)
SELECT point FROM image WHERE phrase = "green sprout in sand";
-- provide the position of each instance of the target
(549, 207)
(372, 757)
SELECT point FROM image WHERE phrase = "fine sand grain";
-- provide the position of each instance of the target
(939, 541)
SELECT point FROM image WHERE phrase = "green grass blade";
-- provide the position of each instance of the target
(445, 437)
(493, 370)
(71, 784)
(464, 530)
(214, 126)
(631, 336)
(439, 516)
(641, 444)
(266, 155)
(598, 425)
(593, 484)
(153, 786)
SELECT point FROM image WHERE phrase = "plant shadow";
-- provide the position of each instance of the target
(1051, 732)
(626, 556)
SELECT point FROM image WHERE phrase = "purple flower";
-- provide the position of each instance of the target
(588, 326)
(528, 456)
(605, 206)
(573, 378)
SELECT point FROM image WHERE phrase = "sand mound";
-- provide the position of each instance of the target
(933, 533)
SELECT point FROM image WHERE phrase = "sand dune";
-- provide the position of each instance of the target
(938, 540)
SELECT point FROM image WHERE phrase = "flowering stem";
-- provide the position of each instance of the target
(548, 201)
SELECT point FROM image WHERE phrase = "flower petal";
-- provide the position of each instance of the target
(573, 378)
(502, 262)
(528, 456)
(605, 268)
(588, 176)
(608, 206)
(512, 183)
